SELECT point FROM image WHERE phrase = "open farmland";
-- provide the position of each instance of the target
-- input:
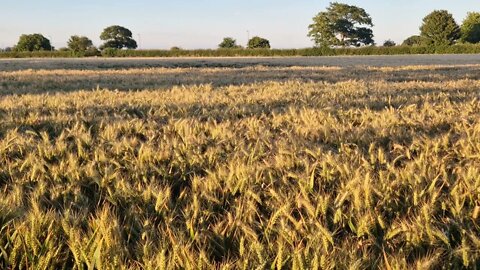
(188, 62)
(131, 164)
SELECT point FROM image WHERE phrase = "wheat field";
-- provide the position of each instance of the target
(240, 168)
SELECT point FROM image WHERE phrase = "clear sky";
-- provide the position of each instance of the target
(203, 23)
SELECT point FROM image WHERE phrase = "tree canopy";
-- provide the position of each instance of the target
(440, 27)
(117, 37)
(258, 43)
(228, 43)
(79, 43)
(342, 25)
(33, 42)
(389, 43)
(470, 29)
(416, 40)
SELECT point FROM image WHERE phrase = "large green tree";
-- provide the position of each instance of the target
(258, 43)
(79, 43)
(228, 43)
(117, 37)
(471, 28)
(440, 27)
(342, 25)
(33, 42)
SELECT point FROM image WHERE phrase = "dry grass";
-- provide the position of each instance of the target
(42, 81)
(259, 168)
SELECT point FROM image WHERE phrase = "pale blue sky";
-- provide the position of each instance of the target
(203, 23)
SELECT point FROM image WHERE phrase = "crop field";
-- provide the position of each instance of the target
(131, 165)
(237, 62)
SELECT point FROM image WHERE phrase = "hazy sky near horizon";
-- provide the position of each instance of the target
(203, 23)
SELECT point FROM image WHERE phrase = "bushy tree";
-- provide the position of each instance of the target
(470, 30)
(258, 43)
(389, 43)
(440, 27)
(416, 41)
(33, 42)
(228, 43)
(342, 25)
(117, 37)
(79, 43)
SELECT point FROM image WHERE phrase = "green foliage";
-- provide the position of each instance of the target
(92, 51)
(317, 51)
(342, 25)
(110, 52)
(228, 43)
(440, 27)
(258, 43)
(416, 41)
(82, 47)
(33, 42)
(471, 28)
(117, 37)
(389, 43)
(79, 44)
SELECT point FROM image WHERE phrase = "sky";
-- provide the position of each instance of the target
(192, 24)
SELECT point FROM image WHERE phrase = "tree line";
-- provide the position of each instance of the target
(340, 25)
(345, 25)
(114, 37)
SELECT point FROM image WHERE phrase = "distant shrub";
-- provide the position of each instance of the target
(417, 41)
(36, 54)
(389, 43)
(110, 52)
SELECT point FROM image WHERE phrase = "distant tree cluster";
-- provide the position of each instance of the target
(253, 43)
(340, 25)
(440, 28)
(258, 43)
(343, 25)
(114, 37)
